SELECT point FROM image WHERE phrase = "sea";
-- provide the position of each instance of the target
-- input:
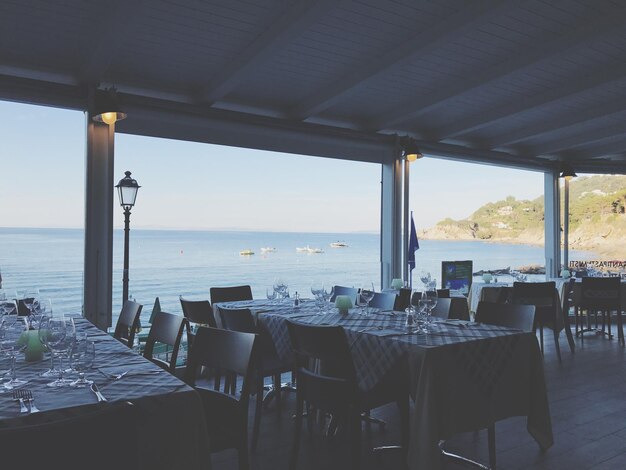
(171, 263)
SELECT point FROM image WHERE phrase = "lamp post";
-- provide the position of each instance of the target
(127, 190)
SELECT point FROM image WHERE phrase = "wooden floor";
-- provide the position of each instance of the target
(587, 394)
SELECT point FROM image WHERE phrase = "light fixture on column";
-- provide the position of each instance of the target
(410, 150)
(567, 171)
(107, 108)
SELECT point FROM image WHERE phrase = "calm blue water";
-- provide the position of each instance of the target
(171, 263)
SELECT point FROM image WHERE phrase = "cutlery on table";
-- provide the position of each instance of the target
(114, 376)
(94, 388)
(17, 396)
(28, 396)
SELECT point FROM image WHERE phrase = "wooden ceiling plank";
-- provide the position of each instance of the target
(581, 84)
(440, 33)
(301, 15)
(538, 51)
(108, 39)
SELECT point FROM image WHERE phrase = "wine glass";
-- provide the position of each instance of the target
(425, 278)
(82, 355)
(55, 340)
(8, 307)
(271, 294)
(13, 340)
(429, 299)
(367, 294)
(52, 371)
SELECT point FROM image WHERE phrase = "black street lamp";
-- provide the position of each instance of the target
(127, 190)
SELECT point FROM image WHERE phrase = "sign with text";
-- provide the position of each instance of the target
(456, 276)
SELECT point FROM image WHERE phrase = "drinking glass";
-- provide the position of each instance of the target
(271, 294)
(425, 278)
(8, 307)
(429, 298)
(57, 330)
(52, 371)
(367, 294)
(13, 340)
(82, 355)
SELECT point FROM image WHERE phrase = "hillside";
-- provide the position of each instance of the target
(597, 218)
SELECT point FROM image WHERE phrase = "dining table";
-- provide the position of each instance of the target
(172, 431)
(464, 375)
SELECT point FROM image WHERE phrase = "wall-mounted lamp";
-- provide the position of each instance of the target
(567, 171)
(410, 150)
(107, 108)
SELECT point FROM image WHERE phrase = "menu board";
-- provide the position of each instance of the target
(456, 276)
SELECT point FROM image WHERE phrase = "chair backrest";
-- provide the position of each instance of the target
(415, 298)
(102, 438)
(156, 309)
(166, 329)
(383, 300)
(128, 323)
(230, 294)
(324, 367)
(442, 309)
(351, 292)
(443, 293)
(601, 293)
(539, 294)
(238, 319)
(229, 351)
(198, 311)
(403, 299)
(521, 317)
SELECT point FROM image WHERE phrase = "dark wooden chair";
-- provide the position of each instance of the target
(443, 293)
(520, 317)
(128, 323)
(230, 294)
(442, 309)
(226, 415)
(331, 386)
(198, 312)
(268, 363)
(601, 295)
(351, 292)
(166, 329)
(101, 438)
(403, 299)
(544, 297)
(383, 300)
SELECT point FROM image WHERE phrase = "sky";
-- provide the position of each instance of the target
(187, 185)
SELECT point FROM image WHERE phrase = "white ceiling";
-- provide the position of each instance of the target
(522, 83)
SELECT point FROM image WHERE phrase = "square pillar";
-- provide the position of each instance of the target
(391, 217)
(99, 197)
(552, 223)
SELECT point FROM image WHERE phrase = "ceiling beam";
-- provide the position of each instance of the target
(579, 139)
(433, 36)
(538, 50)
(299, 17)
(108, 38)
(573, 87)
(604, 150)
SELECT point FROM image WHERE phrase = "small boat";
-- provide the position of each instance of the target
(308, 249)
(267, 249)
(303, 250)
(247, 252)
(339, 245)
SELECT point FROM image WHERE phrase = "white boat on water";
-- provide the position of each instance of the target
(268, 249)
(339, 245)
(308, 249)
(247, 252)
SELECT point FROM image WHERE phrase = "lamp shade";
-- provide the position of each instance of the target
(107, 108)
(411, 150)
(127, 190)
(567, 171)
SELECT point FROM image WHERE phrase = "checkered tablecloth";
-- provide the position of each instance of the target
(464, 376)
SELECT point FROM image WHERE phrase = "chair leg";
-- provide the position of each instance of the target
(293, 460)
(620, 328)
(608, 322)
(541, 337)
(355, 440)
(491, 438)
(257, 415)
(218, 379)
(556, 343)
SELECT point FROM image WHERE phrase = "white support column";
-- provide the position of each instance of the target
(99, 194)
(552, 223)
(405, 220)
(391, 215)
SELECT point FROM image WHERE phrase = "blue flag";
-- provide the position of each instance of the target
(413, 245)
